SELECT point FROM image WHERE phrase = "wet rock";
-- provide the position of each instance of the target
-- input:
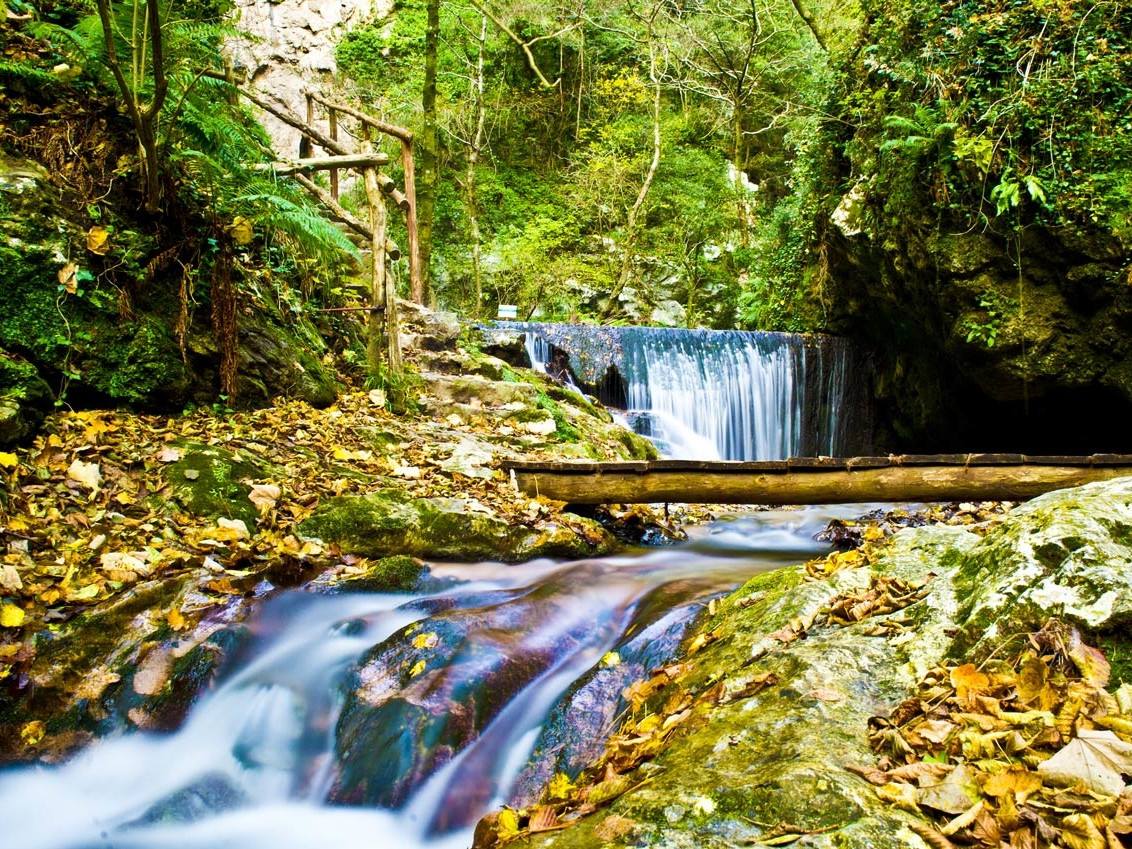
(429, 691)
(779, 756)
(573, 735)
(390, 522)
(398, 573)
(119, 665)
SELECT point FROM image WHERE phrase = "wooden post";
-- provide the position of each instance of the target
(333, 121)
(416, 277)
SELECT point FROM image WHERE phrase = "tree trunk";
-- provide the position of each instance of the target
(629, 248)
(144, 118)
(474, 148)
(427, 153)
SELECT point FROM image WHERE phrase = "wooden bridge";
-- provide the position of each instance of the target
(815, 480)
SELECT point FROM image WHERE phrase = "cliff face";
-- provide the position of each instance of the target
(986, 342)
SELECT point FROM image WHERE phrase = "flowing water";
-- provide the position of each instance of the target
(275, 755)
(715, 394)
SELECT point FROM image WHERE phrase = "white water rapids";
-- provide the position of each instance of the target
(255, 760)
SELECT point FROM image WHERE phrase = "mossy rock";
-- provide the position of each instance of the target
(210, 480)
(25, 398)
(398, 573)
(1064, 554)
(389, 522)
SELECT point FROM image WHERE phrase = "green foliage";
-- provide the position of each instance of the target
(986, 330)
(1009, 110)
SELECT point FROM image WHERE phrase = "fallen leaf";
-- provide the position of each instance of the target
(88, 474)
(264, 496)
(967, 678)
(8, 460)
(69, 277)
(1078, 831)
(1092, 665)
(153, 673)
(11, 616)
(1098, 758)
(1019, 783)
(98, 240)
(10, 578)
(613, 827)
(168, 455)
(955, 794)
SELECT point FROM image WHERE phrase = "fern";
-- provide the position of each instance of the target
(19, 71)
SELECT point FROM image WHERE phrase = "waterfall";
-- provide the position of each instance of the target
(716, 394)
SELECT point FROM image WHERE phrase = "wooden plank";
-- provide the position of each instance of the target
(896, 483)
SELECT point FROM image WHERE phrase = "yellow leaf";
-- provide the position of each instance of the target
(98, 240)
(967, 678)
(1080, 832)
(417, 669)
(11, 616)
(8, 460)
(32, 732)
(241, 230)
(872, 533)
(175, 619)
(508, 824)
(425, 641)
(560, 786)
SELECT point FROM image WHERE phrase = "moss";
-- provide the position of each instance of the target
(397, 573)
(565, 431)
(210, 480)
(30, 317)
(137, 362)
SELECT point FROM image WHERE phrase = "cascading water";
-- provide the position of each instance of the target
(714, 394)
(299, 744)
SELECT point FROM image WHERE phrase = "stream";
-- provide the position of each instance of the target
(283, 752)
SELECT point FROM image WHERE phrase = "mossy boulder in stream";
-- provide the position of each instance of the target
(740, 764)
(390, 522)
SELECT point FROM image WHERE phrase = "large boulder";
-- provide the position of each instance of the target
(749, 757)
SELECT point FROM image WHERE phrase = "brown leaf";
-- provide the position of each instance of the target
(1031, 680)
(543, 818)
(613, 827)
(153, 673)
(68, 277)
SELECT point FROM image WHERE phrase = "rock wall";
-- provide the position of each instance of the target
(293, 50)
(977, 350)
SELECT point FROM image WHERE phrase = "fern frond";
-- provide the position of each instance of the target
(26, 73)
(311, 233)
